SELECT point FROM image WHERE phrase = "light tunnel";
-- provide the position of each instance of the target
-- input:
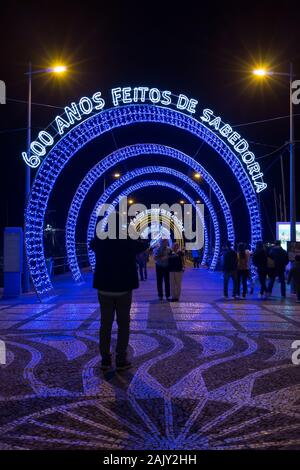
(139, 150)
(93, 127)
(145, 222)
(138, 186)
(139, 172)
(144, 172)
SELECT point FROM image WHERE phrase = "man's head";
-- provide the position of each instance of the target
(278, 243)
(165, 243)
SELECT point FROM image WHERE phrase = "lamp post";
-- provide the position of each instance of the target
(116, 176)
(261, 72)
(56, 69)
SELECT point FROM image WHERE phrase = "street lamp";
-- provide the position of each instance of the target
(263, 72)
(198, 177)
(115, 175)
(57, 69)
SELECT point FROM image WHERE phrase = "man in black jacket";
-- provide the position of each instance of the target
(230, 269)
(115, 278)
(281, 260)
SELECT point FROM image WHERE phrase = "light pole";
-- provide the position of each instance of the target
(198, 177)
(116, 176)
(56, 69)
(261, 72)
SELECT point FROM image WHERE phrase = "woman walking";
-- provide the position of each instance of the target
(243, 266)
(176, 267)
(260, 261)
(161, 257)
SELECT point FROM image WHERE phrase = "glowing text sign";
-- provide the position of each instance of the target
(77, 112)
(240, 146)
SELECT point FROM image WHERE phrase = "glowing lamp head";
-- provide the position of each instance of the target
(117, 175)
(130, 201)
(182, 201)
(59, 69)
(261, 72)
(197, 176)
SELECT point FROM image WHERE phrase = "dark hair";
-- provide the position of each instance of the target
(259, 246)
(242, 250)
(278, 243)
(297, 258)
(228, 244)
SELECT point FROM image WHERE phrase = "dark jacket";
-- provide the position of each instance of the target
(176, 262)
(280, 258)
(116, 263)
(230, 260)
(260, 259)
(294, 274)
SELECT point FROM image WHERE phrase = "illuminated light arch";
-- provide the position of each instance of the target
(141, 185)
(95, 126)
(123, 154)
(143, 219)
(147, 171)
(92, 177)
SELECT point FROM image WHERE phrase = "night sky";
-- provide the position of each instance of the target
(204, 52)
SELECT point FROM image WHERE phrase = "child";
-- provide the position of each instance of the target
(294, 275)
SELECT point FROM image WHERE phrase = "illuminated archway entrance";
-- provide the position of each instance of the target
(77, 127)
(158, 224)
(92, 177)
(139, 186)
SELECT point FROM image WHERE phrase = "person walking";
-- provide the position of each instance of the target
(115, 278)
(196, 258)
(176, 268)
(161, 257)
(260, 261)
(243, 267)
(142, 260)
(294, 276)
(281, 260)
(230, 269)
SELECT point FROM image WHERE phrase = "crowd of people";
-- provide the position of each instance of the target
(130, 257)
(169, 267)
(270, 263)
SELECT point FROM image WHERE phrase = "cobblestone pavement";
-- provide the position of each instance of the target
(207, 374)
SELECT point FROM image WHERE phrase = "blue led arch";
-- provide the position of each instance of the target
(71, 251)
(88, 130)
(141, 185)
(122, 154)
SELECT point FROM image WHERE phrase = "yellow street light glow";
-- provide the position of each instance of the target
(181, 202)
(117, 175)
(59, 68)
(198, 202)
(130, 201)
(260, 72)
(197, 176)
